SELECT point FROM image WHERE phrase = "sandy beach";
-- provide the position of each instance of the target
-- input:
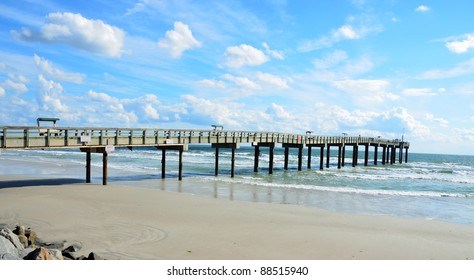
(120, 222)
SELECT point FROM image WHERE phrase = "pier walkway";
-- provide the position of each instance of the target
(105, 140)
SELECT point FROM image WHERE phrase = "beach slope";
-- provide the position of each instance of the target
(119, 222)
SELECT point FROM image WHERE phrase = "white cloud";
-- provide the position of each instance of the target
(243, 82)
(275, 54)
(179, 40)
(463, 45)
(415, 127)
(2, 91)
(138, 7)
(331, 118)
(368, 90)
(16, 83)
(461, 69)
(108, 107)
(211, 83)
(331, 60)
(418, 92)
(277, 112)
(74, 30)
(442, 122)
(151, 112)
(209, 112)
(422, 9)
(346, 32)
(273, 80)
(49, 96)
(47, 68)
(238, 56)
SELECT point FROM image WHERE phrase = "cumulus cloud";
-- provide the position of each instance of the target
(346, 32)
(272, 80)
(50, 96)
(462, 44)
(47, 68)
(151, 112)
(416, 128)
(111, 107)
(275, 54)
(331, 118)
(243, 82)
(74, 30)
(211, 83)
(204, 111)
(277, 112)
(238, 56)
(16, 83)
(179, 40)
(422, 9)
(441, 121)
(368, 90)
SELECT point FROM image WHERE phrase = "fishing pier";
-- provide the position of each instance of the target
(106, 140)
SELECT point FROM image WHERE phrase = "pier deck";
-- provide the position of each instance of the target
(104, 140)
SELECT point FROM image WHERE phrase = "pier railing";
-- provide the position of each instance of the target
(30, 137)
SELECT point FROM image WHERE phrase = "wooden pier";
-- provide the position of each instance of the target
(105, 140)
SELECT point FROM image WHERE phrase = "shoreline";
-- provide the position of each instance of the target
(120, 222)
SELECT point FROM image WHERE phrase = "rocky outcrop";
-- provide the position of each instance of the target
(8, 251)
(23, 243)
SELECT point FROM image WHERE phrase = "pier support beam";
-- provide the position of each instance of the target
(376, 152)
(400, 156)
(88, 166)
(180, 149)
(406, 154)
(271, 146)
(105, 159)
(328, 155)
(232, 146)
(384, 154)
(321, 157)
(343, 155)
(300, 147)
(309, 157)
(393, 155)
(366, 154)
(339, 154)
(105, 156)
(355, 155)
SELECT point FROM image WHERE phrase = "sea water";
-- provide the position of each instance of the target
(429, 186)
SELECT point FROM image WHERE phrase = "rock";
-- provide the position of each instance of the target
(55, 254)
(39, 254)
(23, 240)
(73, 248)
(31, 237)
(19, 230)
(8, 234)
(68, 255)
(8, 251)
(93, 257)
(44, 254)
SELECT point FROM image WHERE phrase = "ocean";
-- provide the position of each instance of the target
(429, 186)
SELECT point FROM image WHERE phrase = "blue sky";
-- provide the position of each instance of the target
(374, 68)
